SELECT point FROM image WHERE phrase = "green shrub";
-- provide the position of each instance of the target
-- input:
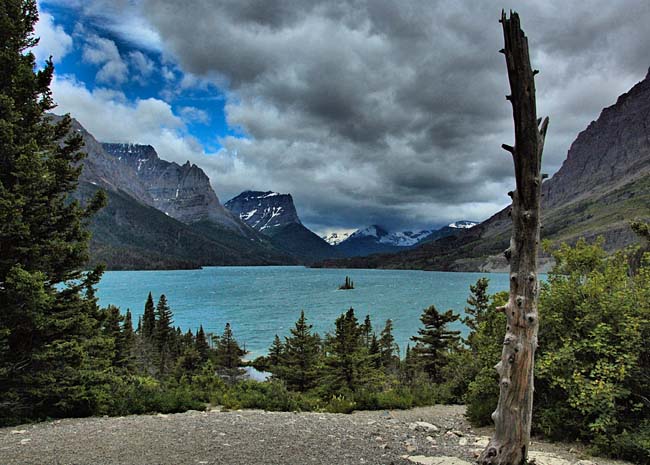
(340, 404)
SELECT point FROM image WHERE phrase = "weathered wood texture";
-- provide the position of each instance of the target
(513, 415)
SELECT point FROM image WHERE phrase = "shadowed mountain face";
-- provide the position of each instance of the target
(182, 192)
(603, 184)
(264, 210)
(613, 151)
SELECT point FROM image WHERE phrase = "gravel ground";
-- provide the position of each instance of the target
(436, 435)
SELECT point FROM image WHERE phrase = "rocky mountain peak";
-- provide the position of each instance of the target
(264, 210)
(181, 191)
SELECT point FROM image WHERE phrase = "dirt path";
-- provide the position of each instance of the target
(252, 437)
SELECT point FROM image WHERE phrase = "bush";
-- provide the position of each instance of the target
(340, 404)
(593, 362)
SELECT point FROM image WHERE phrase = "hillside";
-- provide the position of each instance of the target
(601, 186)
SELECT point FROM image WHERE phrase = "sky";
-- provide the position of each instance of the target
(367, 112)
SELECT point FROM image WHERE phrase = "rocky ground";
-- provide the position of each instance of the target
(433, 435)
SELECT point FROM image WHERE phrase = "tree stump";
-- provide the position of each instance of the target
(513, 415)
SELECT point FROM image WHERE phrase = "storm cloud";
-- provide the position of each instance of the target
(391, 112)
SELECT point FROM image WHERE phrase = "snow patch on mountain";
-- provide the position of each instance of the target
(463, 224)
(335, 238)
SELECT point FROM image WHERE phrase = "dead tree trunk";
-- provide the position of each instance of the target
(513, 415)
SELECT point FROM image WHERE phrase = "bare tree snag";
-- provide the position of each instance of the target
(513, 415)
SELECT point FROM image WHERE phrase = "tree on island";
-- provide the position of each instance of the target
(349, 284)
(53, 355)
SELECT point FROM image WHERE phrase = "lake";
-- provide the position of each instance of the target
(260, 302)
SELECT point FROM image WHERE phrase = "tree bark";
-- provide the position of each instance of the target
(513, 415)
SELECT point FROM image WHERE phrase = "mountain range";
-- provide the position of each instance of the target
(161, 214)
(603, 184)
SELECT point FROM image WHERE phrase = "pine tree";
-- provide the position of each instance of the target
(348, 364)
(113, 329)
(275, 352)
(479, 302)
(149, 319)
(435, 341)
(164, 334)
(228, 355)
(389, 352)
(201, 344)
(366, 331)
(299, 359)
(129, 339)
(53, 354)
(374, 350)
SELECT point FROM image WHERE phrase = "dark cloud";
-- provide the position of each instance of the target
(394, 112)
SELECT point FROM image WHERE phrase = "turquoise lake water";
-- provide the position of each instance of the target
(260, 302)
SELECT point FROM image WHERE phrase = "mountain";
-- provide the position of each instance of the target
(180, 191)
(335, 238)
(275, 216)
(369, 240)
(375, 239)
(602, 185)
(452, 229)
(264, 210)
(132, 233)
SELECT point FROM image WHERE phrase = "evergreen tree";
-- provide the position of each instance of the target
(389, 352)
(53, 354)
(113, 329)
(129, 339)
(478, 303)
(228, 355)
(149, 319)
(366, 331)
(348, 364)
(201, 344)
(435, 341)
(275, 352)
(299, 358)
(374, 350)
(164, 334)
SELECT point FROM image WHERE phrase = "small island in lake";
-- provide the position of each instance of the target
(349, 284)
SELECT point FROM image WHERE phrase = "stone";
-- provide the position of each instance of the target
(462, 442)
(19, 431)
(441, 460)
(482, 441)
(546, 458)
(424, 427)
